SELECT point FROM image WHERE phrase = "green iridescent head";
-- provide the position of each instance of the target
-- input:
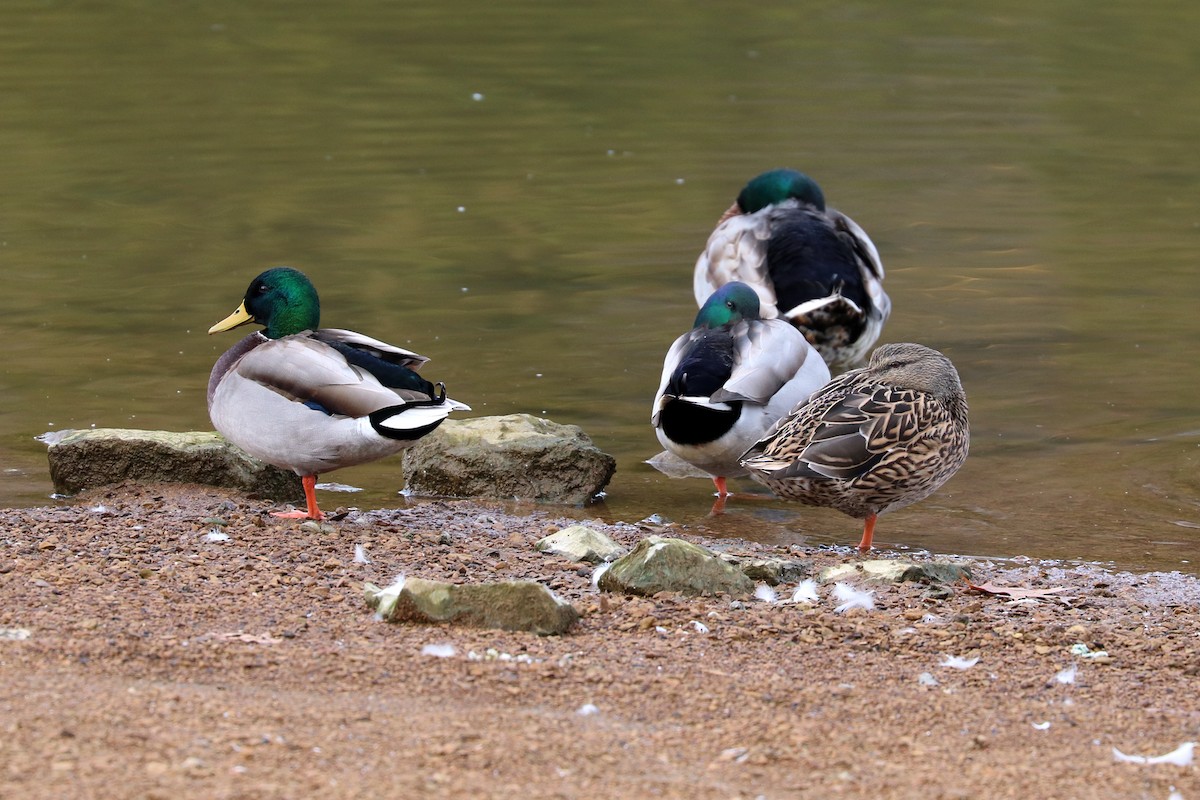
(282, 299)
(731, 303)
(779, 185)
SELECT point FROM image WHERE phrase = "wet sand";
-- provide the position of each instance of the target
(143, 657)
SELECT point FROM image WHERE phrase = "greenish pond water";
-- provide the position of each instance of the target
(520, 190)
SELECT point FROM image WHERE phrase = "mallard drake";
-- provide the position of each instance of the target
(809, 264)
(727, 381)
(873, 440)
(315, 399)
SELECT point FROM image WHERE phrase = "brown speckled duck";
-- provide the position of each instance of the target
(315, 399)
(872, 440)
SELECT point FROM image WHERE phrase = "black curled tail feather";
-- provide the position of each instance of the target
(377, 418)
(436, 399)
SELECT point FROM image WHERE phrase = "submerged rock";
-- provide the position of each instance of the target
(659, 564)
(514, 456)
(581, 543)
(86, 459)
(508, 605)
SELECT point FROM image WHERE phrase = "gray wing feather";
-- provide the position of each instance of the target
(305, 370)
(768, 354)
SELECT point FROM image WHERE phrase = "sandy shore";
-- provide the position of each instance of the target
(143, 657)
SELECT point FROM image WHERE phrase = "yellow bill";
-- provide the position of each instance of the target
(239, 317)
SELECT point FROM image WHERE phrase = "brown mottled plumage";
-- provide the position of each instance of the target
(872, 440)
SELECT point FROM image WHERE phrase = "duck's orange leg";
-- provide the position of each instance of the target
(722, 493)
(868, 534)
(310, 498)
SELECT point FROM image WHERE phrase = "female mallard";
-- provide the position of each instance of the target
(315, 399)
(873, 440)
(810, 265)
(726, 382)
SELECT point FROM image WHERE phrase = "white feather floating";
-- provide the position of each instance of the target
(439, 650)
(1067, 675)
(766, 593)
(587, 710)
(849, 597)
(806, 592)
(598, 572)
(1181, 756)
(388, 598)
(360, 555)
(958, 662)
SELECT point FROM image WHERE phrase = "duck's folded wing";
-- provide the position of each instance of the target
(859, 431)
(869, 263)
(311, 372)
(381, 350)
(862, 244)
(769, 354)
(394, 367)
(670, 363)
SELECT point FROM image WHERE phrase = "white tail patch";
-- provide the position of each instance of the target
(705, 402)
(810, 306)
(413, 418)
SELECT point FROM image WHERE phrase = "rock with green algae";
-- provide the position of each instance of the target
(659, 564)
(514, 456)
(507, 605)
(897, 571)
(86, 459)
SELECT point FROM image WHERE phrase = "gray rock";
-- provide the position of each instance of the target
(936, 572)
(81, 460)
(508, 605)
(879, 569)
(515, 456)
(772, 571)
(896, 571)
(581, 543)
(659, 564)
